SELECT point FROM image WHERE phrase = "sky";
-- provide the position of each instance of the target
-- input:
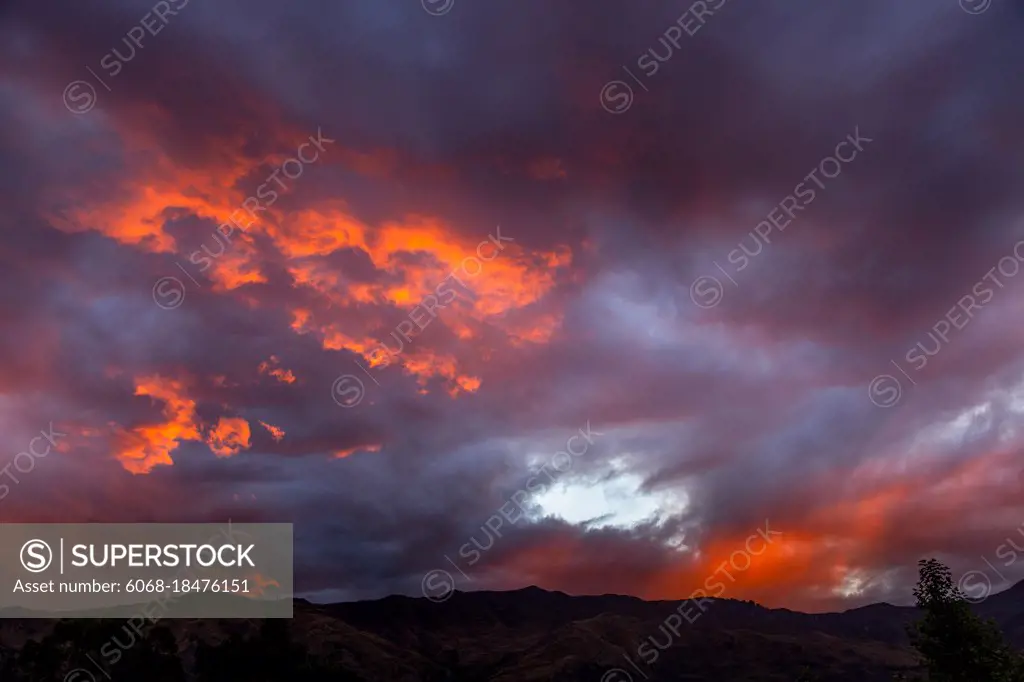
(600, 297)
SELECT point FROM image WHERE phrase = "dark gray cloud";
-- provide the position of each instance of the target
(721, 417)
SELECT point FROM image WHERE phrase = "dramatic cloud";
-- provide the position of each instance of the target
(229, 437)
(583, 295)
(149, 445)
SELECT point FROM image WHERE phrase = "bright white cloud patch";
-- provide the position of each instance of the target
(616, 502)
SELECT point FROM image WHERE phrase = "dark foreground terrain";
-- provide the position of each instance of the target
(522, 636)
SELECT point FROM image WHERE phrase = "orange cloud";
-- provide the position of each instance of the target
(511, 278)
(229, 437)
(538, 329)
(272, 367)
(844, 541)
(416, 361)
(415, 255)
(236, 266)
(276, 432)
(342, 454)
(766, 560)
(419, 256)
(164, 190)
(258, 585)
(136, 215)
(318, 231)
(424, 364)
(150, 445)
(301, 320)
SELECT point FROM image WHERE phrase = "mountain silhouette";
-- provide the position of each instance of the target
(531, 634)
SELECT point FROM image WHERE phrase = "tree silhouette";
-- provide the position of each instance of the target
(956, 645)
